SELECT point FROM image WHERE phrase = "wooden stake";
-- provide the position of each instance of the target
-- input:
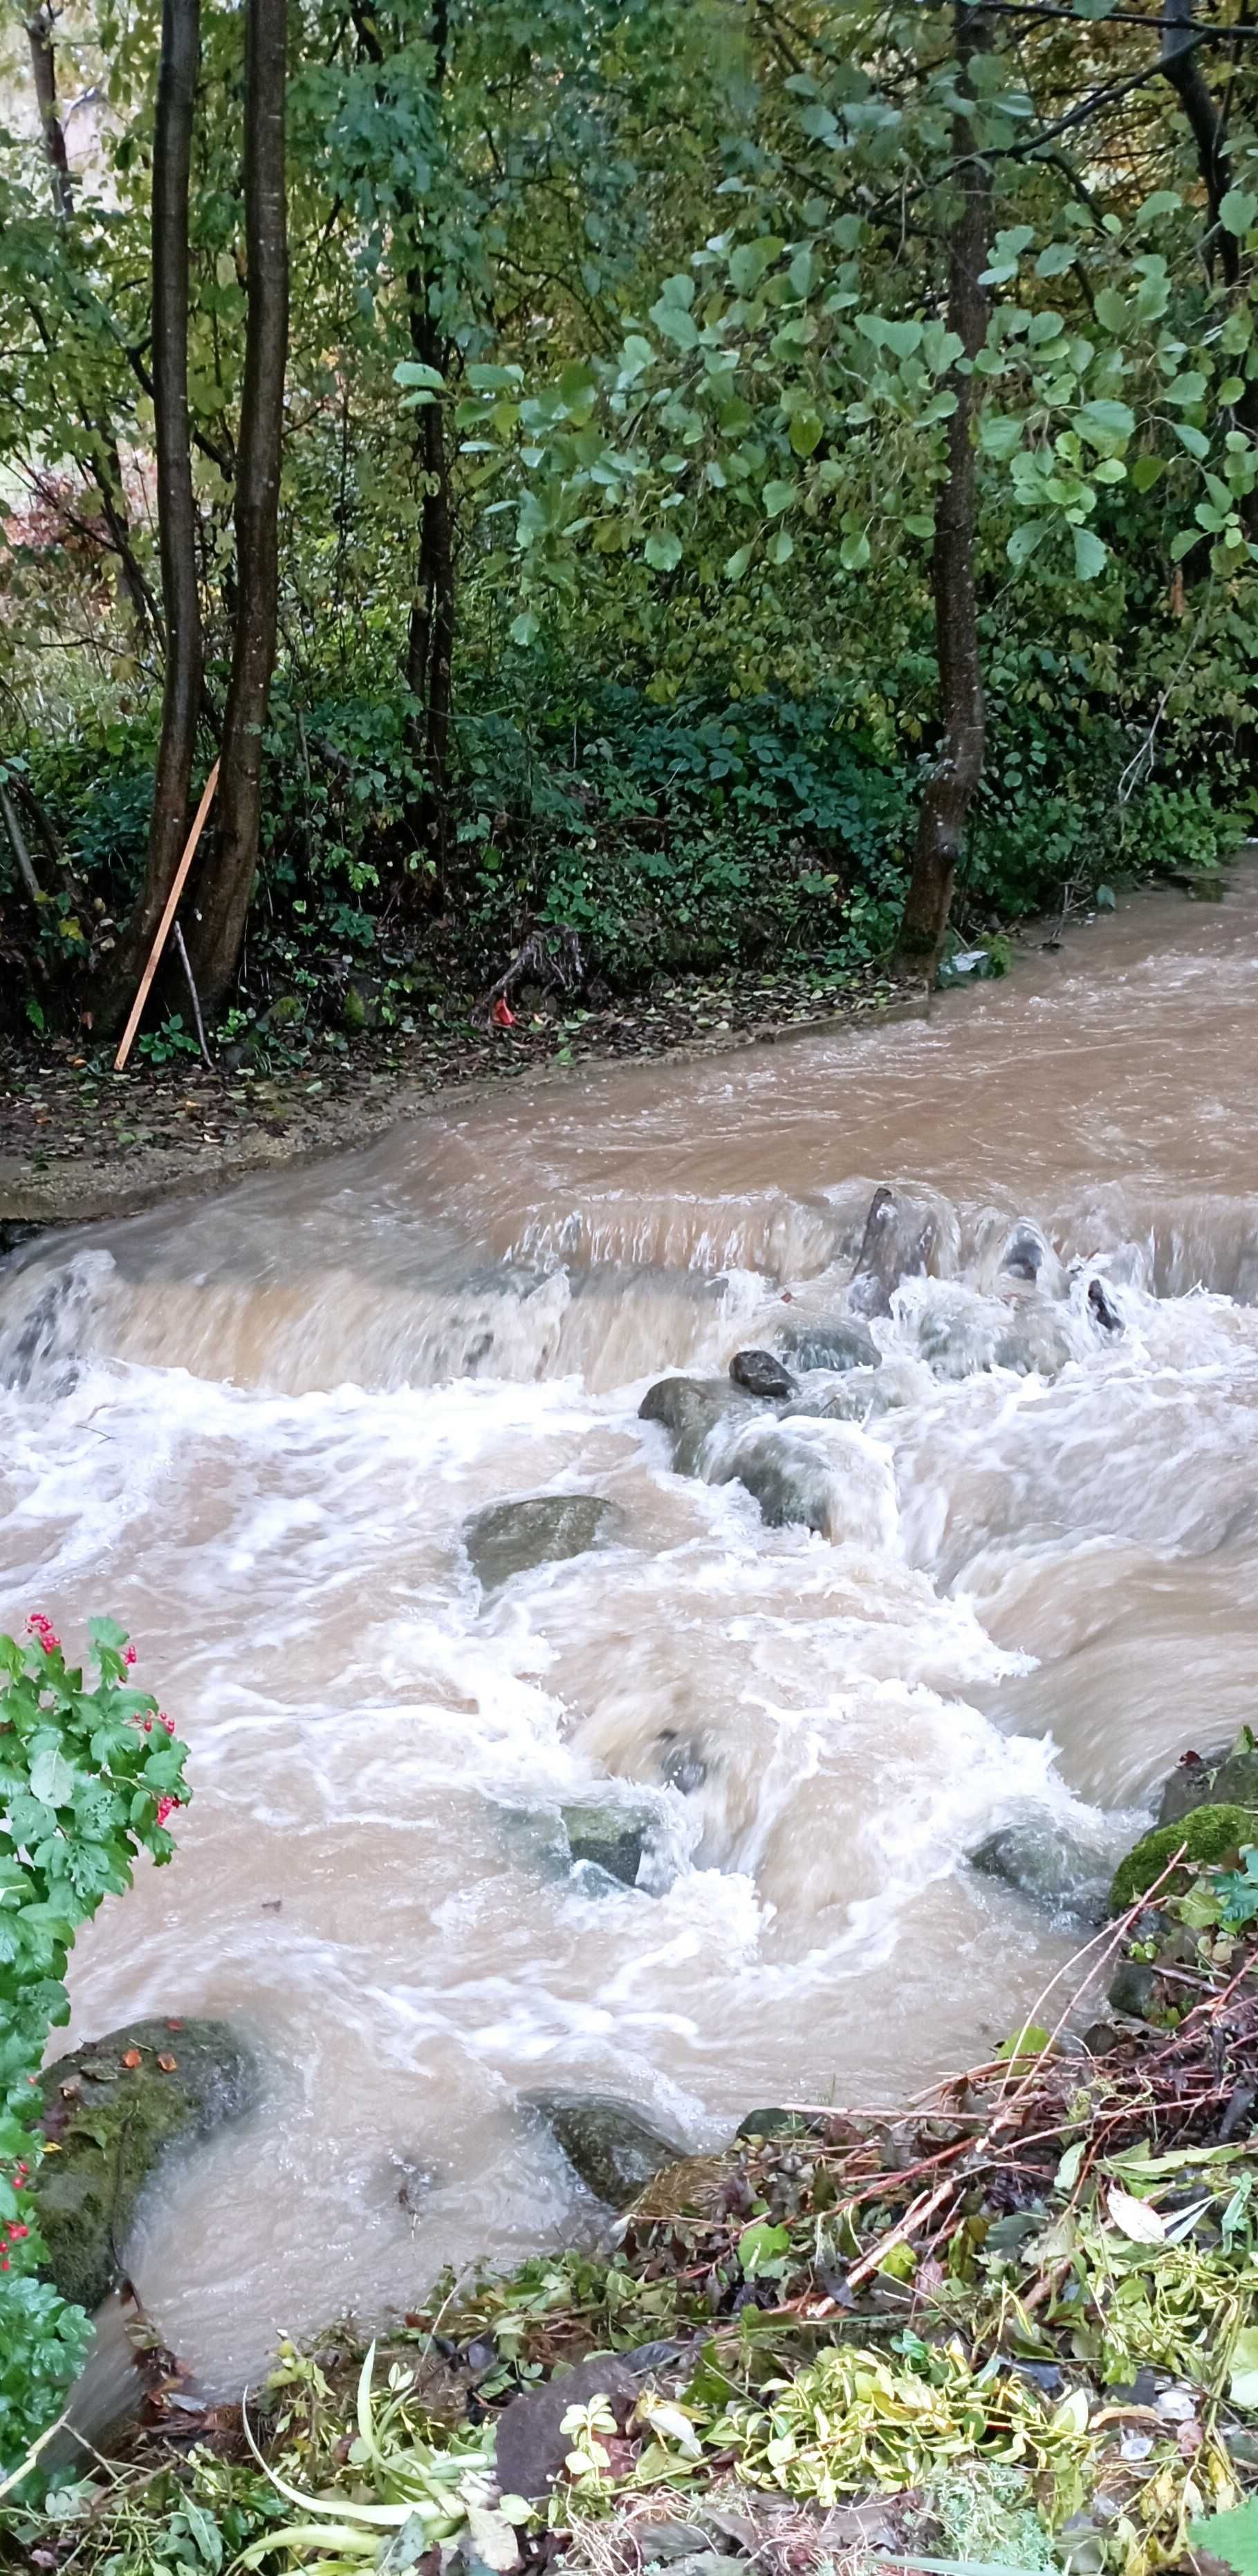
(163, 927)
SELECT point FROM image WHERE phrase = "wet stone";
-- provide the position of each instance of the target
(1226, 1777)
(759, 1373)
(610, 1838)
(1047, 1862)
(838, 1343)
(690, 1410)
(898, 1243)
(609, 2144)
(544, 1529)
(112, 2124)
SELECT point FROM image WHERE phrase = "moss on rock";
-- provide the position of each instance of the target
(1208, 1833)
(111, 2111)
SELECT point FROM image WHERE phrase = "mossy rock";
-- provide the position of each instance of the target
(1209, 1834)
(110, 2122)
(615, 2151)
(1227, 1777)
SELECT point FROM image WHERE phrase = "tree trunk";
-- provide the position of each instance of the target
(178, 69)
(102, 460)
(430, 633)
(430, 638)
(959, 767)
(1181, 62)
(43, 66)
(226, 881)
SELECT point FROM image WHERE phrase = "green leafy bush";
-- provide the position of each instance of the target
(89, 1776)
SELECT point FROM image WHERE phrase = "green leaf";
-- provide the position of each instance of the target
(1029, 2042)
(777, 497)
(805, 432)
(1111, 311)
(1000, 434)
(663, 550)
(1237, 212)
(1189, 388)
(525, 628)
(736, 564)
(1147, 470)
(854, 552)
(761, 2247)
(1102, 422)
(410, 371)
(749, 260)
(1091, 556)
(1233, 2537)
(676, 323)
(1055, 259)
(780, 548)
(1194, 439)
(53, 1779)
(1025, 539)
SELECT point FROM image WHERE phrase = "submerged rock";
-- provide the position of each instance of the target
(513, 1538)
(1227, 1777)
(1102, 1307)
(1046, 1861)
(112, 2109)
(1025, 1253)
(683, 1763)
(610, 1838)
(898, 1242)
(1209, 1833)
(792, 1481)
(759, 1373)
(608, 2143)
(690, 1408)
(837, 1343)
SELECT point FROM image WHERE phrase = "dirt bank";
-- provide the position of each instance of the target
(79, 1141)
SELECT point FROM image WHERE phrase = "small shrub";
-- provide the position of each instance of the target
(88, 1778)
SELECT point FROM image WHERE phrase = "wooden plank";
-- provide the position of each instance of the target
(163, 927)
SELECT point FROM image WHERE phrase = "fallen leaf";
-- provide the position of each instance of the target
(132, 2057)
(1135, 2219)
(168, 2064)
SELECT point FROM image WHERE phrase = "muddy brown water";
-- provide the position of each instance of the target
(252, 1429)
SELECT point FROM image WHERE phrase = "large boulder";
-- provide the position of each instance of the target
(1208, 1835)
(112, 2110)
(1228, 1777)
(543, 1529)
(1051, 1864)
(608, 2143)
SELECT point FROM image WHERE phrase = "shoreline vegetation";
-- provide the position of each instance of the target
(1009, 2325)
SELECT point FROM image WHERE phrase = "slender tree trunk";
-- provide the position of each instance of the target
(959, 767)
(1181, 62)
(102, 460)
(430, 632)
(178, 70)
(44, 68)
(226, 881)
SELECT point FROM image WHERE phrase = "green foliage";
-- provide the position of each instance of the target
(88, 1777)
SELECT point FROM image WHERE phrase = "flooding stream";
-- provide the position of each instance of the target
(253, 1428)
